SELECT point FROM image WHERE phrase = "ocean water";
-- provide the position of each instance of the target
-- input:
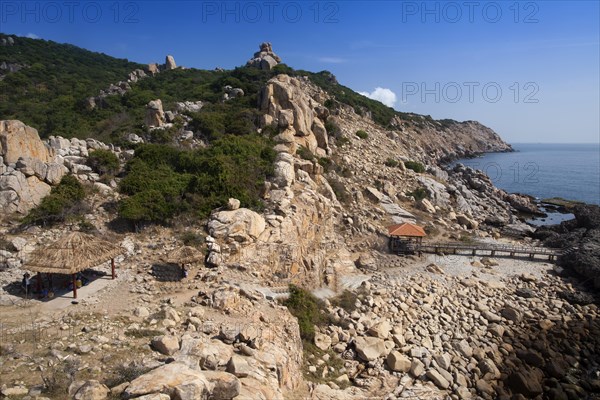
(570, 171)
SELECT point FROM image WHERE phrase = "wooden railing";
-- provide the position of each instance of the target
(475, 248)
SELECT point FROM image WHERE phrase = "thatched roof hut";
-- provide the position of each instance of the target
(72, 253)
(185, 255)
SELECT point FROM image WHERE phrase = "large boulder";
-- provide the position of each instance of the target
(225, 386)
(19, 193)
(167, 379)
(19, 140)
(370, 348)
(155, 115)
(241, 225)
(167, 344)
(170, 63)
(91, 390)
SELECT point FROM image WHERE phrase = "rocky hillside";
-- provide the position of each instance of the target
(286, 180)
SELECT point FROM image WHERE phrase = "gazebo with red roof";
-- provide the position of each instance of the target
(405, 238)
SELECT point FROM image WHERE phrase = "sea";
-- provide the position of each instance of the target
(542, 170)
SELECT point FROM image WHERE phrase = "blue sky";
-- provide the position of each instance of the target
(530, 70)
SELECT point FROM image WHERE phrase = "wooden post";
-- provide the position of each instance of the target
(74, 286)
(39, 283)
(112, 267)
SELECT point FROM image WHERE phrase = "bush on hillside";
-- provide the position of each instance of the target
(307, 309)
(186, 181)
(415, 166)
(362, 134)
(103, 162)
(391, 162)
(63, 202)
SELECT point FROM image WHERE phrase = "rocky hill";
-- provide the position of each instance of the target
(286, 180)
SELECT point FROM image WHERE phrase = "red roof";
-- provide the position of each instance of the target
(406, 229)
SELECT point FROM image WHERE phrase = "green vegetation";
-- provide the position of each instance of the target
(304, 153)
(419, 193)
(49, 92)
(332, 128)
(415, 166)
(191, 238)
(163, 181)
(65, 201)
(103, 162)
(362, 134)
(307, 309)
(346, 301)
(362, 105)
(391, 162)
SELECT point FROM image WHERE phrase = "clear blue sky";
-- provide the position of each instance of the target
(530, 70)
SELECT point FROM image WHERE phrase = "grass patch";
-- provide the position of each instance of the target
(125, 373)
(143, 333)
(390, 162)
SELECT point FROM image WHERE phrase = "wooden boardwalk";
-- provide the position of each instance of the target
(487, 249)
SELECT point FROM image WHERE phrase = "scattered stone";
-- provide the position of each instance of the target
(398, 362)
(167, 344)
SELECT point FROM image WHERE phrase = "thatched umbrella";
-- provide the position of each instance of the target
(185, 255)
(71, 254)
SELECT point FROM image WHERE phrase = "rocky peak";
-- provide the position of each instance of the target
(265, 58)
(170, 63)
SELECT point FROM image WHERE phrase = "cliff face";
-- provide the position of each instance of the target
(333, 193)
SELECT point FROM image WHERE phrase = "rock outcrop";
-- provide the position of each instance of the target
(288, 104)
(265, 58)
(170, 63)
(25, 166)
(155, 116)
(19, 140)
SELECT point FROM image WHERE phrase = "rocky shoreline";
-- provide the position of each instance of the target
(491, 329)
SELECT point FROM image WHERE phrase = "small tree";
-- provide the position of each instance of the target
(104, 162)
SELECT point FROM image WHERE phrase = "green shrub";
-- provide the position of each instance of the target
(415, 166)
(332, 128)
(164, 182)
(305, 153)
(342, 140)
(326, 163)
(104, 162)
(307, 309)
(390, 162)
(191, 238)
(419, 194)
(362, 134)
(64, 201)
